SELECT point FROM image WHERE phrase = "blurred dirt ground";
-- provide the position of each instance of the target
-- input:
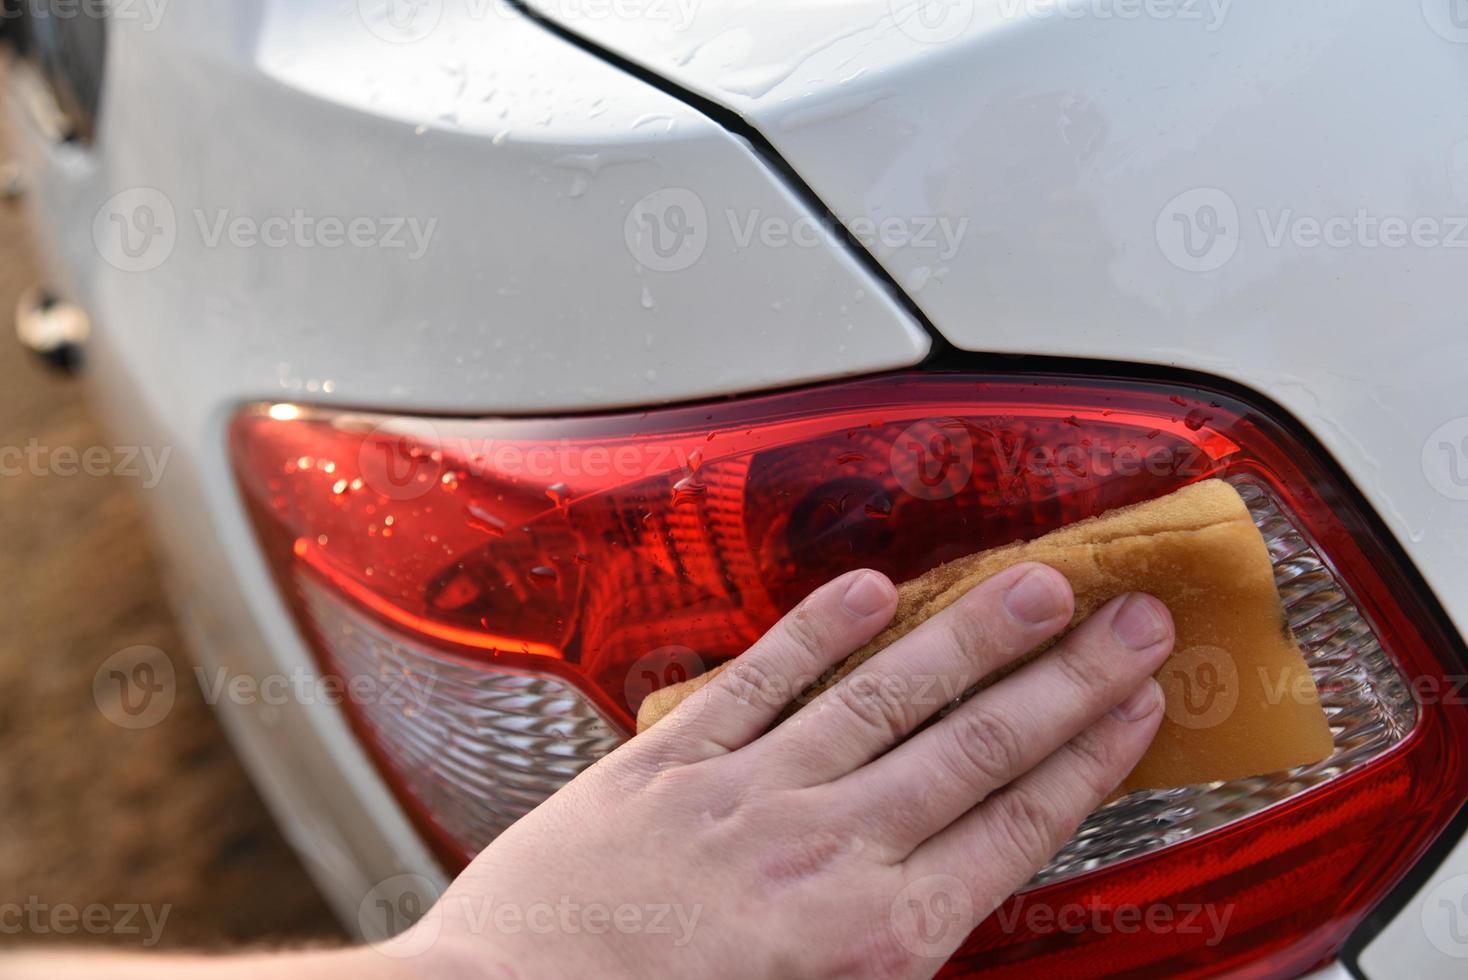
(89, 812)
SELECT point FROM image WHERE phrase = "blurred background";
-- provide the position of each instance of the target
(90, 812)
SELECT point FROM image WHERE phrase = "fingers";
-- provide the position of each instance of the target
(738, 705)
(1014, 833)
(1003, 732)
(887, 697)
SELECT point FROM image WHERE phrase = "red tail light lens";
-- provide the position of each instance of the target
(540, 576)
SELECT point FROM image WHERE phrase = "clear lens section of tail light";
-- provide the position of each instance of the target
(538, 577)
(476, 748)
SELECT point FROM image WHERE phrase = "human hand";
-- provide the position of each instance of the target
(831, 844)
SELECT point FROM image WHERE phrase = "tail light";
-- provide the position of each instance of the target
(534, 579)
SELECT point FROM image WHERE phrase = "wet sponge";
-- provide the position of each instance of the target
(1240, 699)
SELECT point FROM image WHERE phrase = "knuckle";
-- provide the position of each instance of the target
(971, 631)
(984, 743)
(879, 709)
(751, 682)
(1085, 672)
(679, 782)
(809, 855)
(1097, 761)
(1025, 825)
(807, 630)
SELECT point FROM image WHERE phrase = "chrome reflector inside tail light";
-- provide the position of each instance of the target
(1364, 695)
(549, 573)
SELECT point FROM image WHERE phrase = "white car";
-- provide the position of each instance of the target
(514, 360)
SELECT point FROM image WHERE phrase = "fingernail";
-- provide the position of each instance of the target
(869, 594)
(1139, 623)
(1037, 597)
(1140, 703)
